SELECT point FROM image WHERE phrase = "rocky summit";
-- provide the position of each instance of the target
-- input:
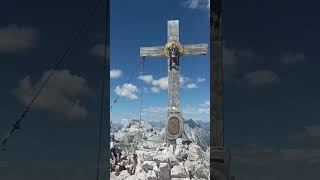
(156, 159)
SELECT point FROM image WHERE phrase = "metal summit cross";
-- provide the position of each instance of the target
(173, 50)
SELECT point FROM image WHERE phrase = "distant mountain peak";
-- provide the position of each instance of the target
(191, 123)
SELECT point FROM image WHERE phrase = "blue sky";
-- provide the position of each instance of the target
(145, 26)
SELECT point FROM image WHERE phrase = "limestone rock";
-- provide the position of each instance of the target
(161, 158)
(157, 160)
(152, 175)
(181, 153)
(178, 172)
(195, 152)
(123, 176)
(141, 176)
(201, 171)
(148, 165)
(164, 171)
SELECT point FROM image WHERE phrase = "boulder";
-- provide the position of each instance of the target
(161, 158)
(201, 171)
(181, 153)
(195, 152)
(178, 172)
(141, 176)
(151, 175)
(123, 175)
(148, 165)
(164, 171)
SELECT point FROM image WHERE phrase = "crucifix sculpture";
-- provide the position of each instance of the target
(173, 50)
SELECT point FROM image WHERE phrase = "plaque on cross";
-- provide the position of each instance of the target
(173, 50)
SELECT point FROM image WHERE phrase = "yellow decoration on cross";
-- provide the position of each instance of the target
(171, 43)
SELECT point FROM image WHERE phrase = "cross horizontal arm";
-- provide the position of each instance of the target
(195, 49)
(156, 51)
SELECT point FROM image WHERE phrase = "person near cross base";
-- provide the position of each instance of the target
(121, 165)
(125, 164)
(115, 151)
(131, 168)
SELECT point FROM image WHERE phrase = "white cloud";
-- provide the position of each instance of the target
(127, 90)
(155, 89)
(197, 4)
(200, 112)
(290, 58)
(152, 113)
(162, 83)
(260, 77)
(14, 38)
(114, 73)
(60, 96)
(201, 79)
(146, 78)
(205, 104)
(192, 86)
(153, 109)
(184, 80)
(196, 110)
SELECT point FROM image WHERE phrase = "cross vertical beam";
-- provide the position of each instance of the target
(173, 73)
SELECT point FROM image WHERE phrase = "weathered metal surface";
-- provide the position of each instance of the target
(156, 51)
(173, 30)
(174, 126)
(195, 49)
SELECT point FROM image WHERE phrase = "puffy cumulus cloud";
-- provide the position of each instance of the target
(201, 79)
(155, 89)
(127, 90)
(60, 96)
(191, 86)
(200, 112)
(290, 58)
(14, 38)
(115, 73)
(146, 78)
(260, 77)
(161, 83)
